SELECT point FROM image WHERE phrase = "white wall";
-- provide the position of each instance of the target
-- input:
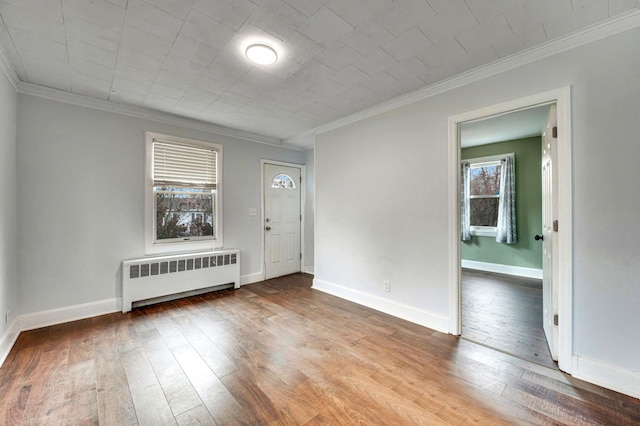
(8, 283)
(81, 185)
(309, 212)
(381, 197)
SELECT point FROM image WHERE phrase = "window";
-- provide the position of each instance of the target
(283, 181)
(484, 194)
(182, 195)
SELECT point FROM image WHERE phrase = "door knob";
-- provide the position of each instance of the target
(268, 228)
(539, 237)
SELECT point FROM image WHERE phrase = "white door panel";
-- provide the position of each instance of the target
(276, 209)
(293, 213)
(282, 220)
(275, 247)
(291, 247)
(550, 236)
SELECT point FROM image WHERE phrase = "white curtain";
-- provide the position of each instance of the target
(507, 207)
(465, 204)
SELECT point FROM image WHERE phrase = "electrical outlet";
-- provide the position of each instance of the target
(387, 286)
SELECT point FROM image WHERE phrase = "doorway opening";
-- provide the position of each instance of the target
(502, 279)
(282, 219)
(519, 313)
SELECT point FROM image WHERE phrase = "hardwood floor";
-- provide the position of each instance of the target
(505, 313)
(281, 353)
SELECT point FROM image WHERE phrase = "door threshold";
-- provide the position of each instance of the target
(533, 360)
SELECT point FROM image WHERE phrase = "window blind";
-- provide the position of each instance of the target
(176, 164)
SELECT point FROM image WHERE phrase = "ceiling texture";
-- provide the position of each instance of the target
(336, 57)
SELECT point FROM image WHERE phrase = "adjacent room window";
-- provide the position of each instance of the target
(484, 193)
(183, 194)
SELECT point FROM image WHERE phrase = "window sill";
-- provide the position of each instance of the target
(177, 248)
(484, 231)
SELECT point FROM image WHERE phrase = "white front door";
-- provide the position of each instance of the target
(549, 235)
(282, 220)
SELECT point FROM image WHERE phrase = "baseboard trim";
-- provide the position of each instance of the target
(69, 313)
(607, 376)
(251, 278)
(518, 271)
(387, 306)
(8, 339)
(52, 317)
(308, 269)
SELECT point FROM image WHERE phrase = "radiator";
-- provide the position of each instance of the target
(152, 279)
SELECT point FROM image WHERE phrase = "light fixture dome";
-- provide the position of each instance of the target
(261, 53)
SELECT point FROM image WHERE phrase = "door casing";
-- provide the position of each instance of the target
(302, 168)
(562, 98)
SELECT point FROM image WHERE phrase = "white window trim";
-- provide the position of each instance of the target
(492, 160)
(150, 247)
(484, 231)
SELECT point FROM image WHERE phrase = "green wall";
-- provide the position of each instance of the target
(527, 252)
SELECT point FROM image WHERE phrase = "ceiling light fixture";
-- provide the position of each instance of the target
(261, 53)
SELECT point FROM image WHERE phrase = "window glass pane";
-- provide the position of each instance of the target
(485, 180)
(183, 212)
(484, 211)
(283, 181)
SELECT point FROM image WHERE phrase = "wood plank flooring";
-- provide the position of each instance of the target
(505, 313)
(280, 353)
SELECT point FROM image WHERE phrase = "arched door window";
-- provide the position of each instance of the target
(283, 181)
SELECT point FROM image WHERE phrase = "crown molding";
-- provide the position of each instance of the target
(8, 70)
(144, 113)
(306, 139)
(616, 25)
(302, 141)
(293, 147)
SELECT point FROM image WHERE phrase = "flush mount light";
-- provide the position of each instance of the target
(261, 53)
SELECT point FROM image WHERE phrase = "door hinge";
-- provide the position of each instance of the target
(554, 132)
(300, 256)
(300, 179)
(555, 225)
(555, 319)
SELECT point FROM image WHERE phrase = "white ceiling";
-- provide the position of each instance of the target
(516, 125)
(337, 57)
